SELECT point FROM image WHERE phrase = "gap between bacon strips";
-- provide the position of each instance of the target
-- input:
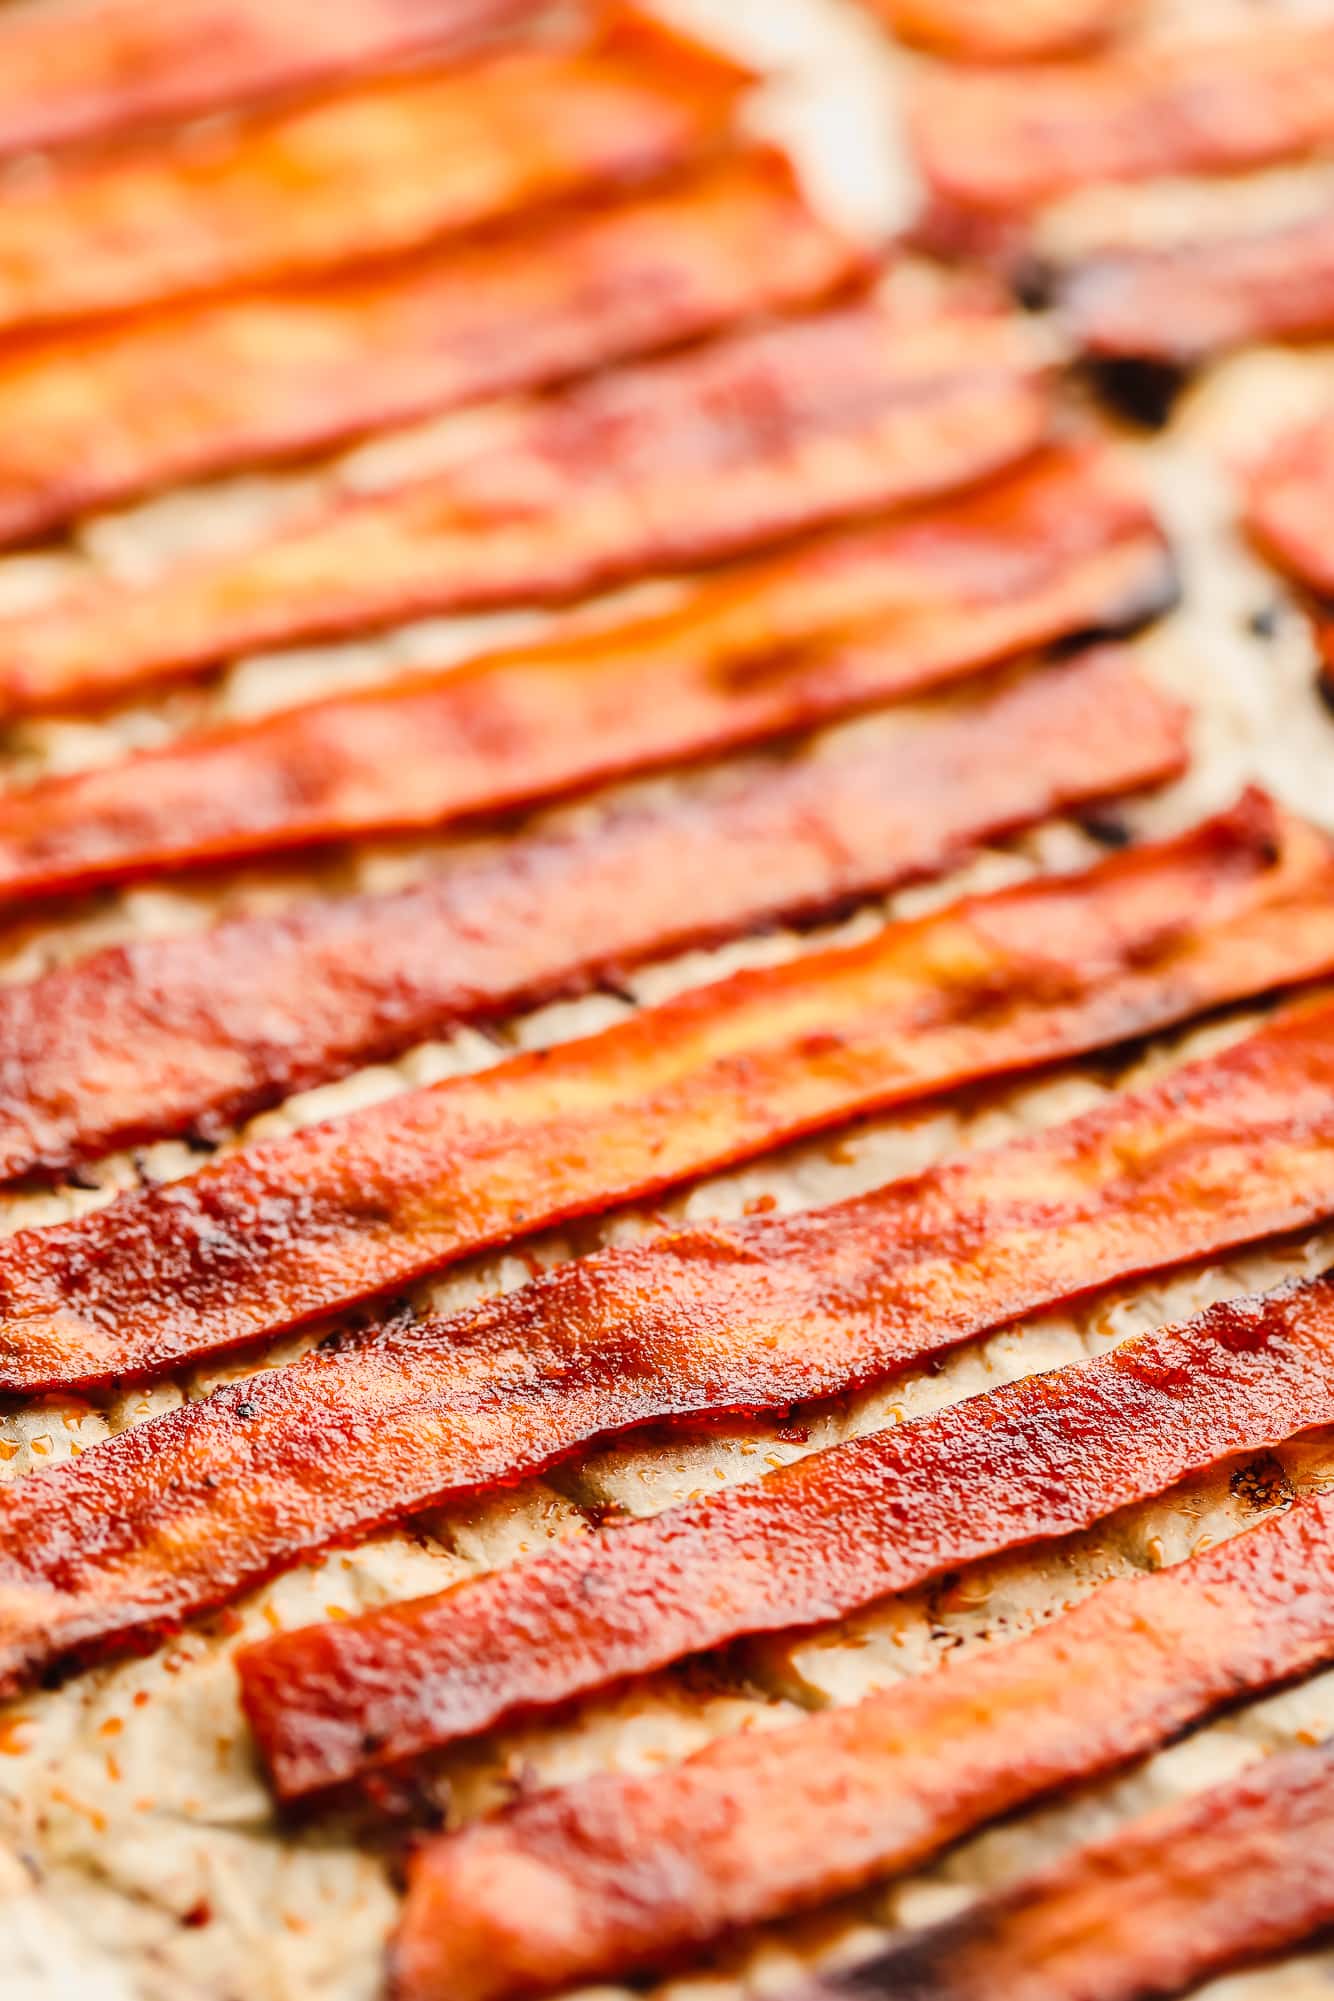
(164, 1035)
(183, 1511)
(1061, 546)
(829, 1534)
(625, 1874)
(664, 465)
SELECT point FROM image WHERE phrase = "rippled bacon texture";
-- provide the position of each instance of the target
(273, 1235)
(186, 1509)
(621, 1873)
(1060, 547)
(827, 1535)
(168, 1034)
(93, 417)
(1225, 1880)
(380, 168)
(1002, 30)
(667, 465)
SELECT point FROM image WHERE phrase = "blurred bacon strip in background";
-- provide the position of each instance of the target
(1003, 30)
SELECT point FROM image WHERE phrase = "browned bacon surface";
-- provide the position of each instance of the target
(1228, 1879)
(1289, 502)
(82, 69)
(672, 463)
(829, 1534)
(91, 417)
(337, 1212)
(1002, 30)
(861, 617)
(169, 1034)
(621, 1873)
(184, 1510)
(377, 169)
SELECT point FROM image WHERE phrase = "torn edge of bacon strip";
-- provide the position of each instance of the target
(659, 466)
(1227, 1879)
(181, 1512)
(379, 168)
(828, 1535)
(93, 417)
(1001, 30)
(1062, 546)
(624, 1873)
(263, 1239)
(167, 1035)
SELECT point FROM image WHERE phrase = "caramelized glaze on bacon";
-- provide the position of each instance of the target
(663, 466)
(861, 617)
(620, 1872)
(1224, 1880)
(275, 1234)
(1001, 30)
(827, 1535)
(168, 1034)
(375, 170)
(184, 1510)
(93, 417)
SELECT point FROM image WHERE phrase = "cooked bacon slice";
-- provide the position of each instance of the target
(86, 69)
(1002, 30)
(168, 1034)
(185, 1510)
(620, 1872)
(859, 618)
(375, 170)
(1288, 505)
(94, 417)
(1229, 1878)
(270, 1236)
(827, 1535)
(662, 466)
(1001, 142)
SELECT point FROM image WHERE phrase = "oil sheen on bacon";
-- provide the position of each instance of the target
(1060, 547)
(280, 1232)
(661, 466)
(95, 416)
(379, 168)
(827, 1535)
(164, 1035)
(183, 1511)
(621, 1873)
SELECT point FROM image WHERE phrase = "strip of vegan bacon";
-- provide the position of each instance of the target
(185, 1510)
(1002, 30)
(621, 1873)
(823, 1537)
(1061, 548)
(279, 1232)
(1228, 1879)
(378, 169)
(169, 1034)
(98, 416)
(662, 466)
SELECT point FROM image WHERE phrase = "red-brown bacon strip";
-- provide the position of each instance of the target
(337, 1212)
(621, 1873)
(378, 169)
(1227, 1879)
(1288, 505)
(662, 466)
(94, 417)
(84, 69)
(169, 1034)
(827, 1535)
(858, 618)
(1002, 30)
(185, 1510)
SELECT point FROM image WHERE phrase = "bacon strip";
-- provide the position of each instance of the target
(1228, 1879)
(621, 1873)
(381, 168)
(823, 1537)
(187, 1509)
(1288, 505)
(168, 1034)
(666, 465)
(863, 617)
(93, 68)
(1002, 30)
(268, 1237)
(99, 416)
